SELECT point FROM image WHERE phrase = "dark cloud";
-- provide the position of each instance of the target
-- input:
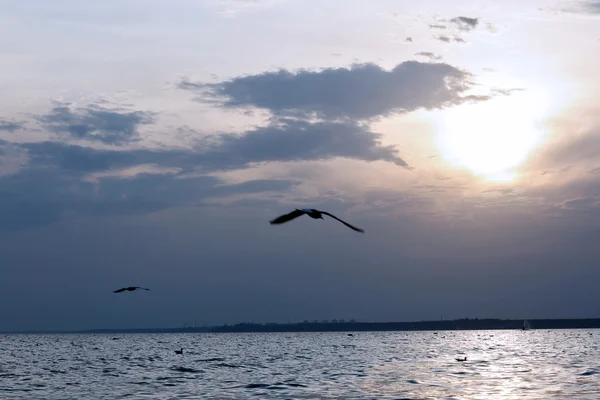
(40, 195)
(282, 140)
(94, 122)
(465, 23)
(61, 178)
(360, 92)
(296, 140)
(10, 126)
(86, 159)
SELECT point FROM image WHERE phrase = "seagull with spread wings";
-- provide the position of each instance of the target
(311, 212)
(130, 289)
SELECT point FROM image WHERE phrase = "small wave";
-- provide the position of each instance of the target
(225, 365)
(109, 370)
(257, 386)
(278, 385)
(211, 359)
(295, 385)
(186, 369)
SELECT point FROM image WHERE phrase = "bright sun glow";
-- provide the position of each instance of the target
(492, 138)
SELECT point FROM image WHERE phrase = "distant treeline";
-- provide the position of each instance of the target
(314, 326)
(353, 326)
(458, 324)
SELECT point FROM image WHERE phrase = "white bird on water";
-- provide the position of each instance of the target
(311, 212)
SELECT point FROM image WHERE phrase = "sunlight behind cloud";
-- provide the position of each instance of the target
(492, 138)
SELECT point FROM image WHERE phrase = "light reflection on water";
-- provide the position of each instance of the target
(503, 365)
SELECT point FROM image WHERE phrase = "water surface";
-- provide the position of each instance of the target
(535, 364)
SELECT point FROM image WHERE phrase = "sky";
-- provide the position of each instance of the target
(149, 143)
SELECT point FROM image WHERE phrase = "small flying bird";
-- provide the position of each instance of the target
(130, 288)
(311, 212)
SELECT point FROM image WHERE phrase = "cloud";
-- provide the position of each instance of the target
(131, 172)
(429, 55)
(87, 159)
(284, 139)
(49, 181)
(459, 24)
(505, 92)
(295, 140)
(12, 158)
(465, 23)
(578, 7)
(360, 92)
(10, 126)
(448, 39)
(96, 123)
(45, 193)
(582, 204)
(578, 149)
(591, 6)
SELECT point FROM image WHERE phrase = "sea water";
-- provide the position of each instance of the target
(534, 364)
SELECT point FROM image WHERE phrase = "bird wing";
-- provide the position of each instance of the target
(143, 288)
(343, 222)
(287, 217)
(119, 290)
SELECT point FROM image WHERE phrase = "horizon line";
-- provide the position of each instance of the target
(223, 328)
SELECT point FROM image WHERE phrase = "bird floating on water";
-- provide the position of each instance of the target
(462, 359)
(311, 212)
(179, 351)
(130, 289)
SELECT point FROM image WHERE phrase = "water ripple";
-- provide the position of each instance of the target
(383, 365)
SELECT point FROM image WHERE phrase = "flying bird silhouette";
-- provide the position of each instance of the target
(130, 288)
(311, 212)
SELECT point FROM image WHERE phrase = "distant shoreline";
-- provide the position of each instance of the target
(449, 325)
